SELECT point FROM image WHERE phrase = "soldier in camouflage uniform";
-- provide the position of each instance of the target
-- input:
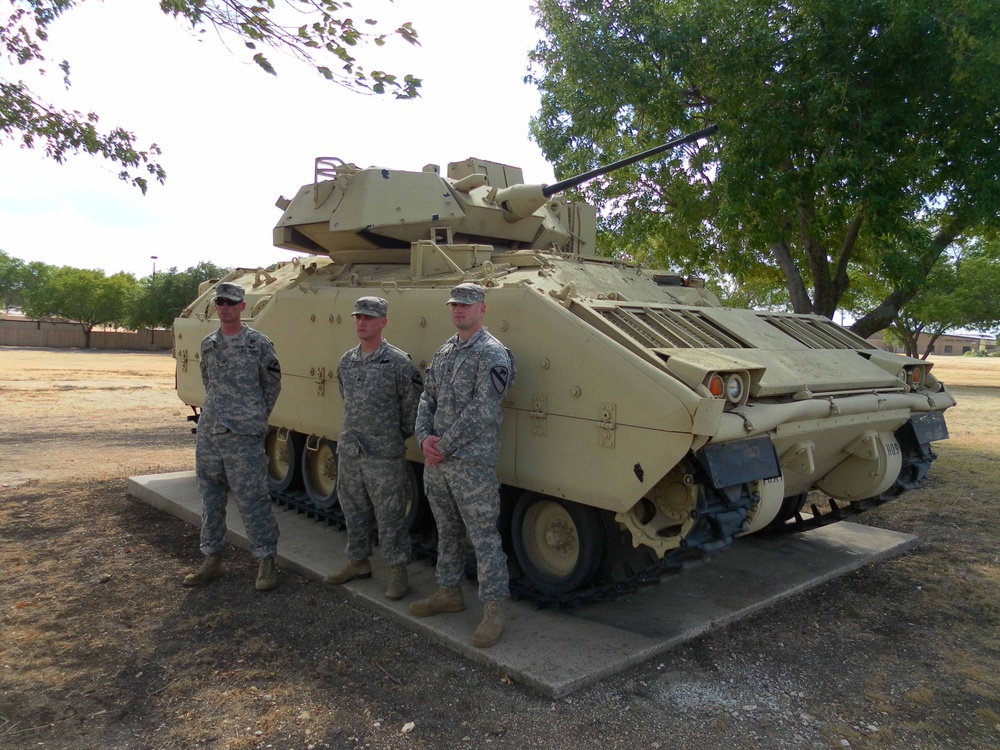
(242, 380)
(381, 390)
(458, 427)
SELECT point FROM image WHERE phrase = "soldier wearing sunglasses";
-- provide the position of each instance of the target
(242, 380)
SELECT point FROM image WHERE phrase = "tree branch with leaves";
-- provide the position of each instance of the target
(855, 138)
(323, 31)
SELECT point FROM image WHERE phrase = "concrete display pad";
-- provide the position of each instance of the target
(557, 652)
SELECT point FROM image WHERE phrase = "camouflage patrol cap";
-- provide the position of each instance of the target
(227, 290)
(467, 294)
(373, 307)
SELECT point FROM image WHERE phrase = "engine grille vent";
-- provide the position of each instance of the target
(689, 328)
(678, 328)
(816, 333)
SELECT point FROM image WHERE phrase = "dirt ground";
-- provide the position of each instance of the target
(101, 647)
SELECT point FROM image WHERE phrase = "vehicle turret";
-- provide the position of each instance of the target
(347, 209)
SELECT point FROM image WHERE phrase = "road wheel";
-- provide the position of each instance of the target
(284, 459)
(558, 544)
(319, 471)
(417, 509)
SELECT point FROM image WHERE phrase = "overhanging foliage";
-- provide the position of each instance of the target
(855, 137)
(328, 34)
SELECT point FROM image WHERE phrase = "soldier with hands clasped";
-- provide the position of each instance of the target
(242, 379)
(458, 427)
(381, 390)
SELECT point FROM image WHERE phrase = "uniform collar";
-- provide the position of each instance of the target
(239, 338)
(358, 354)
(459, 344)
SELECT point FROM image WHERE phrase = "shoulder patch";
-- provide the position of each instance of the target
(498, 376)
(417, 379)
(275, 369)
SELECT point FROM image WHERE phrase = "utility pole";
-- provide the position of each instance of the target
(152, 331)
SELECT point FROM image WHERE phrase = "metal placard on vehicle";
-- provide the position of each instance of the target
(929, 426)
(740, 461)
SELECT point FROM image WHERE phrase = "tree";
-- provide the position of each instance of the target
(87, 297)
(12, 279)
(158, 299)
(854, 137)
(961, 293)
(35, 287)
(329, 32)
(761, 292)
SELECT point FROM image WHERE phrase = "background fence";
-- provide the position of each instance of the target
(62, 335)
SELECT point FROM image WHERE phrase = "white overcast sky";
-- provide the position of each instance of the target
(235, 138)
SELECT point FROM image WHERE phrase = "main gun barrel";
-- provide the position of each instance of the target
(557, 187)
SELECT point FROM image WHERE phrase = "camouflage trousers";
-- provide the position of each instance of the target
(224, 462)
(374, 490)
(465, 496)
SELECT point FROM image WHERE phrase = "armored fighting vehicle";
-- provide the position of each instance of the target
(648, 423)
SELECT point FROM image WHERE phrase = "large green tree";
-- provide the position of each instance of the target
(961, 293)
(12, 279)
(321, 33)
(159, 298)
(34, 285)
(87, 297)
(854, 137)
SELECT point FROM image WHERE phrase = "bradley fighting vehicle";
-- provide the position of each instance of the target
(647, 424)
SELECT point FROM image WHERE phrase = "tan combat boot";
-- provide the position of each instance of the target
(211, 567)
(353, 569)
(442, 600)
(490, 627)
(398, 583)
(267, 574)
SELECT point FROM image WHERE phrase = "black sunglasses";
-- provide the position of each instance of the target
(223, 302)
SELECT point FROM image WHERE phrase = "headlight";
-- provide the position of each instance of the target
(734, 389)
(730, 386)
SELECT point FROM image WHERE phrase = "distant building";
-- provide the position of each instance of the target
(950, 344)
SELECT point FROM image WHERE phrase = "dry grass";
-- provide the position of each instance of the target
(103, 649)
(55, 402)
(967, 371)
